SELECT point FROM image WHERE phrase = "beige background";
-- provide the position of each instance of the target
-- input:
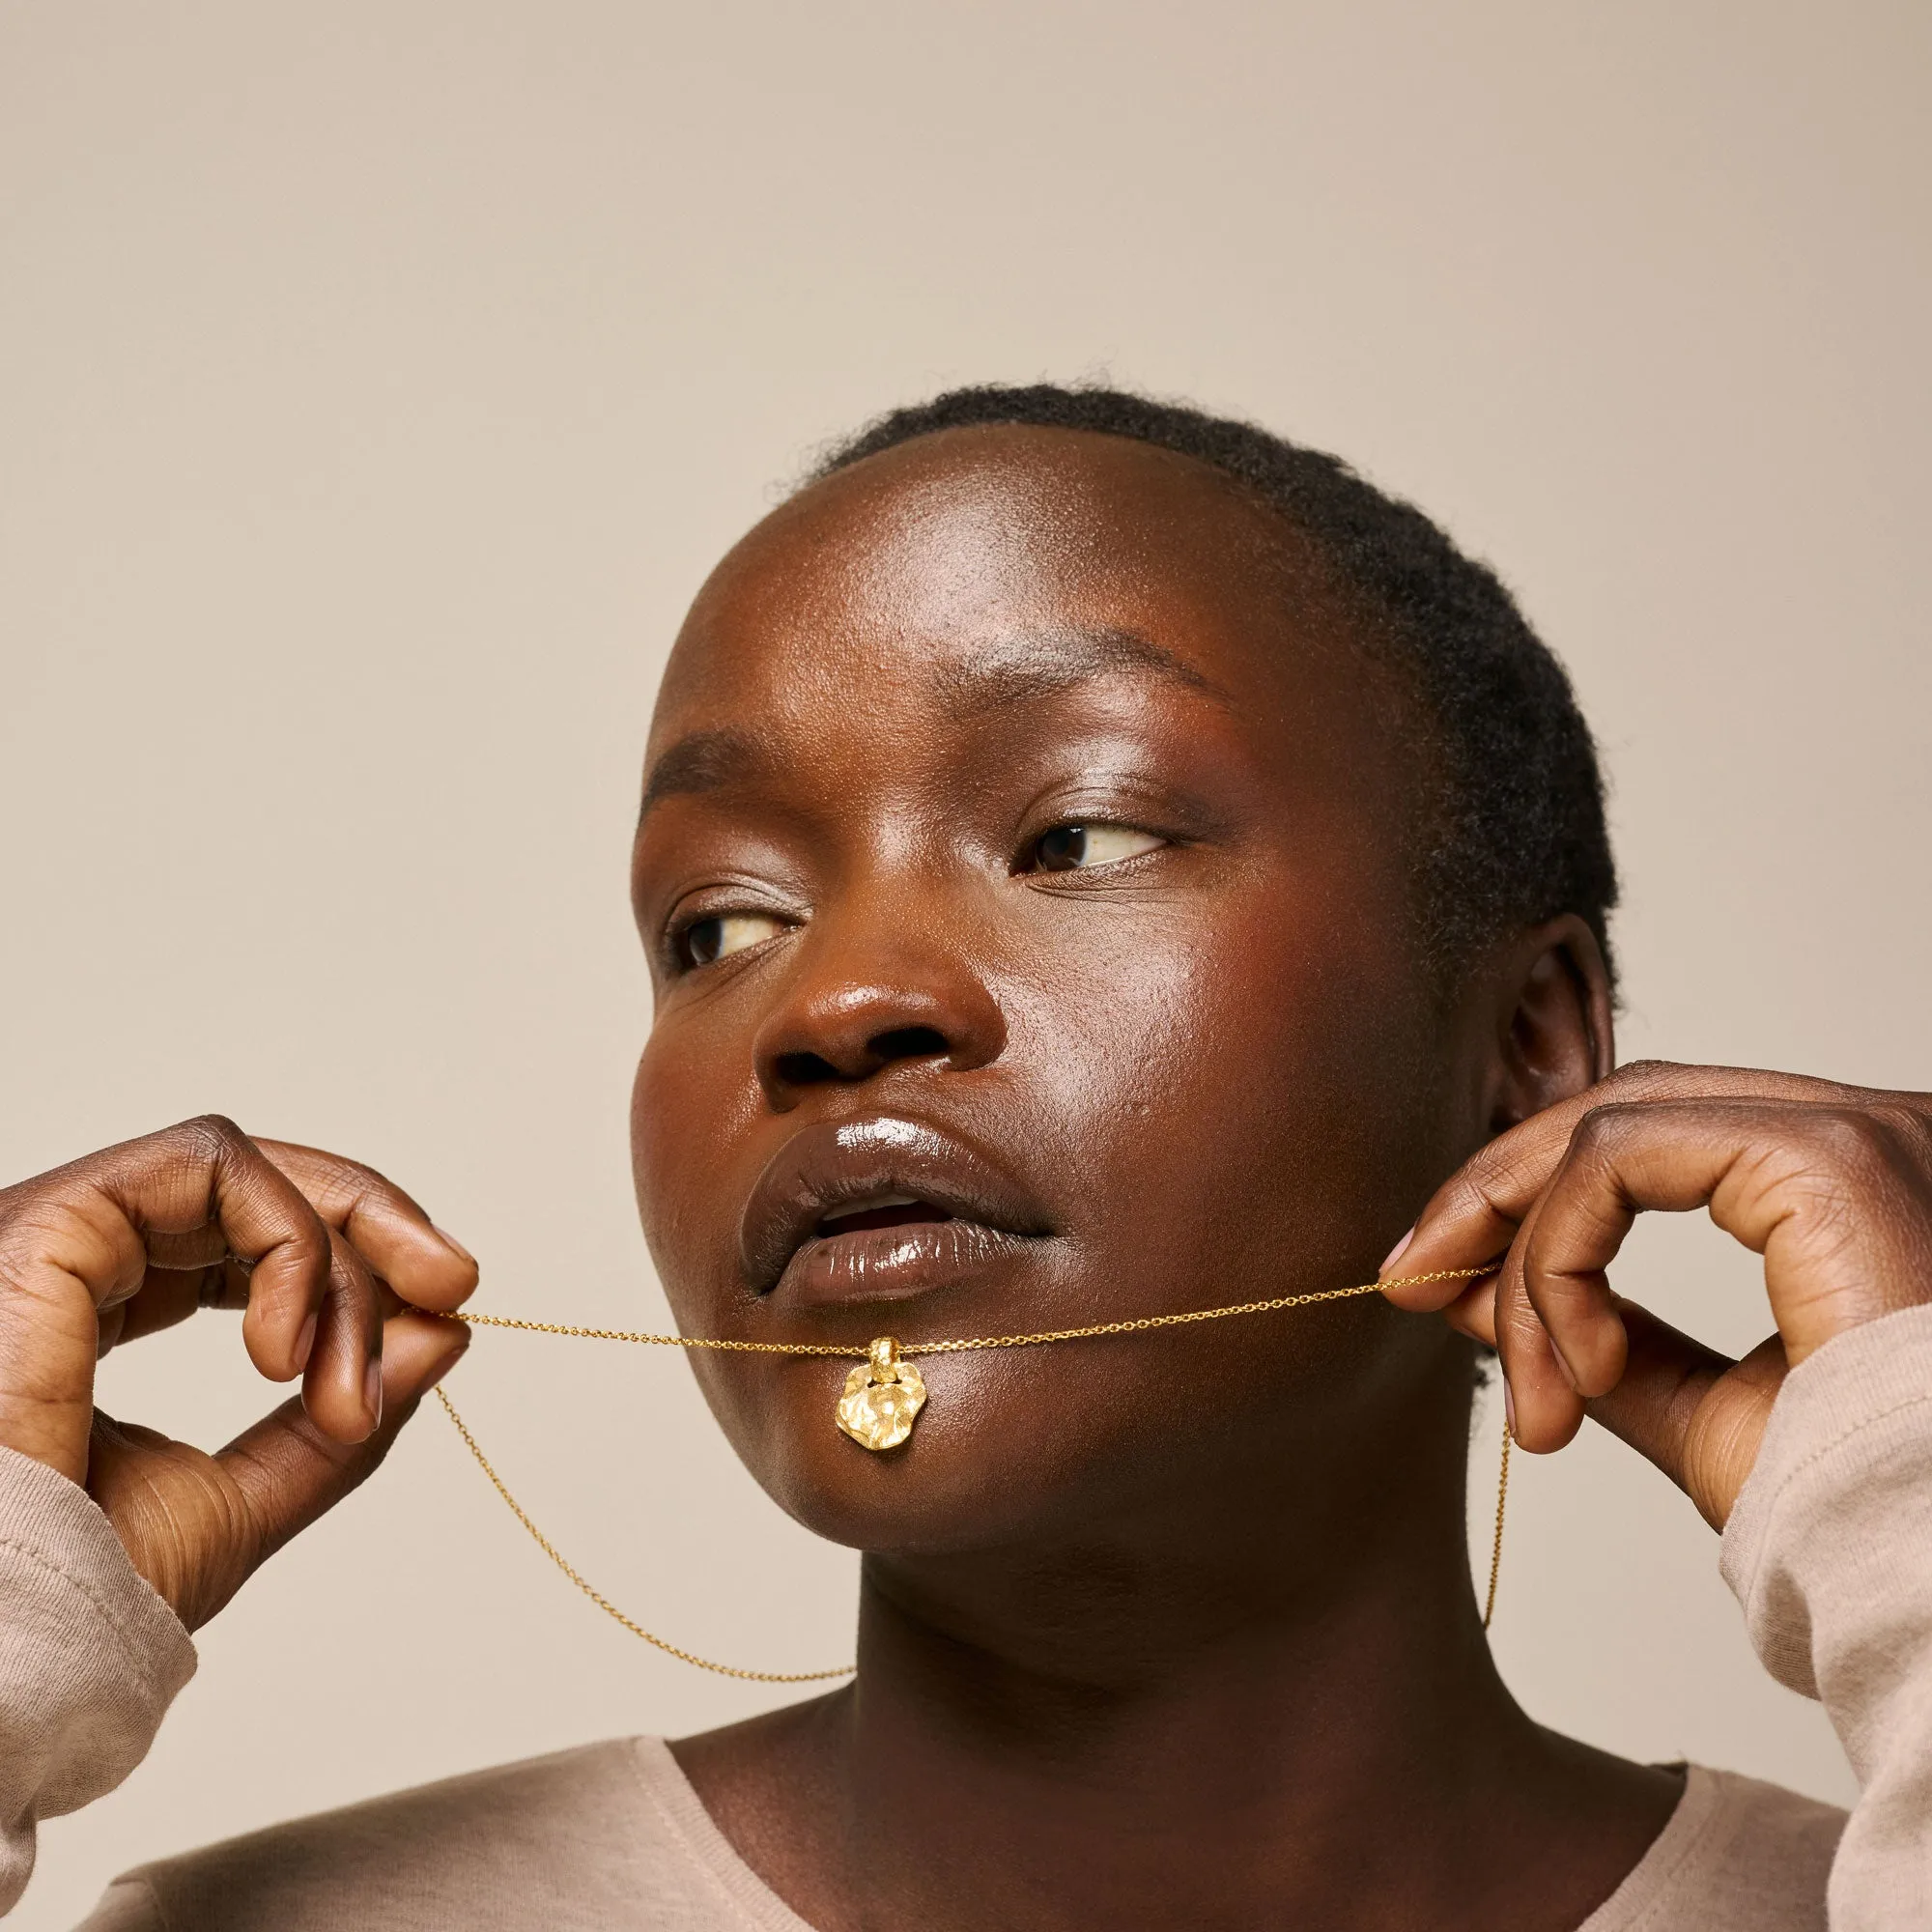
(378, 382)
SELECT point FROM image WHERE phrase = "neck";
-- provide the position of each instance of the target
(1199, 1717)
(1101, 1704)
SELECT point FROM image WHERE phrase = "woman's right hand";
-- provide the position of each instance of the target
(320, 1253)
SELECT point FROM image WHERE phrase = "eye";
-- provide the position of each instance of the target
(1075, 848)
(707, 940)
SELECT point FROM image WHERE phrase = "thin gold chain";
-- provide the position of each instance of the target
(953, 1345)
(958, 1343)
(1496, 1548)
(604, 1603)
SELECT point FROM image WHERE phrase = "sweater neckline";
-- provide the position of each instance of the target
(1698, 1810)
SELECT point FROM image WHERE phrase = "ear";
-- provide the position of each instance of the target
(1555, 1031)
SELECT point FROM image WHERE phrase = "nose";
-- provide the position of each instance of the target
(856, 1011)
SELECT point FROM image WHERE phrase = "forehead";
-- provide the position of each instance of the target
(1006, 551)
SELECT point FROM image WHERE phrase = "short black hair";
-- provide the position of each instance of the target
(1518, 834)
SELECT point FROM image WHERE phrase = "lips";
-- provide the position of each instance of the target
(879, 1206)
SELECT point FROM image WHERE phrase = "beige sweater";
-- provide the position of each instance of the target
(1829, 1551)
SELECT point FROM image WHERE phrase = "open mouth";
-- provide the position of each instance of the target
(886, 1210)
(881, 1206)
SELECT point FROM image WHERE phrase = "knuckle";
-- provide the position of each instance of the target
(349, 1269)
(1904, 1125)
(364, 1181)
(1890, 1137)
(1858, 1138)
(333, 1181)
(1600, 1128)
(212, 1135)
(1466, 1194)
(1518, 1328)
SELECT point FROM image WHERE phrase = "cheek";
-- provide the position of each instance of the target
(693, 1103)
(1235, 1090)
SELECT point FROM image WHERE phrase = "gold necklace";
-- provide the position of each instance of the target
(882, 1400)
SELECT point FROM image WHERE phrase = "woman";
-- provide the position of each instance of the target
(1095, 861)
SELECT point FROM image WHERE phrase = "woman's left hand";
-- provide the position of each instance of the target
(1830, 1184)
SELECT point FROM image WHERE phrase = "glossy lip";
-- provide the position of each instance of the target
(833, 1166)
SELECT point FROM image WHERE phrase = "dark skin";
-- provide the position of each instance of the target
(1174, 1630)
(1121, 1662)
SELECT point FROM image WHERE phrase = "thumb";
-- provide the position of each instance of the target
(198, 1526)
(287, 1472)
(1696, 1414)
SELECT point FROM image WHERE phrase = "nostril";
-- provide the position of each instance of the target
(804, 1069)
(880, 1051)
(915, 1042)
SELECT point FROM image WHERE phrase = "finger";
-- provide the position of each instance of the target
(166, 1297)
(426, 1267)
(1546, 1410)
(184, 1197)
(1474, 1215)
(342, 1389)
(287, 1472)
(1666, 1374)
(1473, 1311)
(341, 1386)
(1814, 1188)
(170, 1295)
(150, 1489)
(1562, 1334)
(1694, 1413)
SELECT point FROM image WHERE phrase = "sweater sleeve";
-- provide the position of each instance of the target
(91, 1658)
(1829, 1551)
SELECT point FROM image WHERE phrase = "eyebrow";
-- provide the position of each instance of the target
(1044, 663)
(701, 761)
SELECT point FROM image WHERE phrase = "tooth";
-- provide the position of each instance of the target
(866, 1205)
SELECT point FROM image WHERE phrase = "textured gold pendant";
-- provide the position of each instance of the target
(883, 1397)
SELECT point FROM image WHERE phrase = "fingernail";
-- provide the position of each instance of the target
(1509, 1409)
(306, 1344)
(1563, 1363)
(372, 1391)
(454, 1246)
(1395, 1253)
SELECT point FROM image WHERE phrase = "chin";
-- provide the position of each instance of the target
(1023, 1446)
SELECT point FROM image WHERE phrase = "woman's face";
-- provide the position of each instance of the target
(1025, 874)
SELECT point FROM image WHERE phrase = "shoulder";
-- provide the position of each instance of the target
(1736, 1856)
(587, 1838)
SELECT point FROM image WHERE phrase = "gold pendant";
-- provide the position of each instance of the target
(883, 1397)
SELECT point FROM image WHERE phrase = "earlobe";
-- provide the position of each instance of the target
(1556, 1035)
